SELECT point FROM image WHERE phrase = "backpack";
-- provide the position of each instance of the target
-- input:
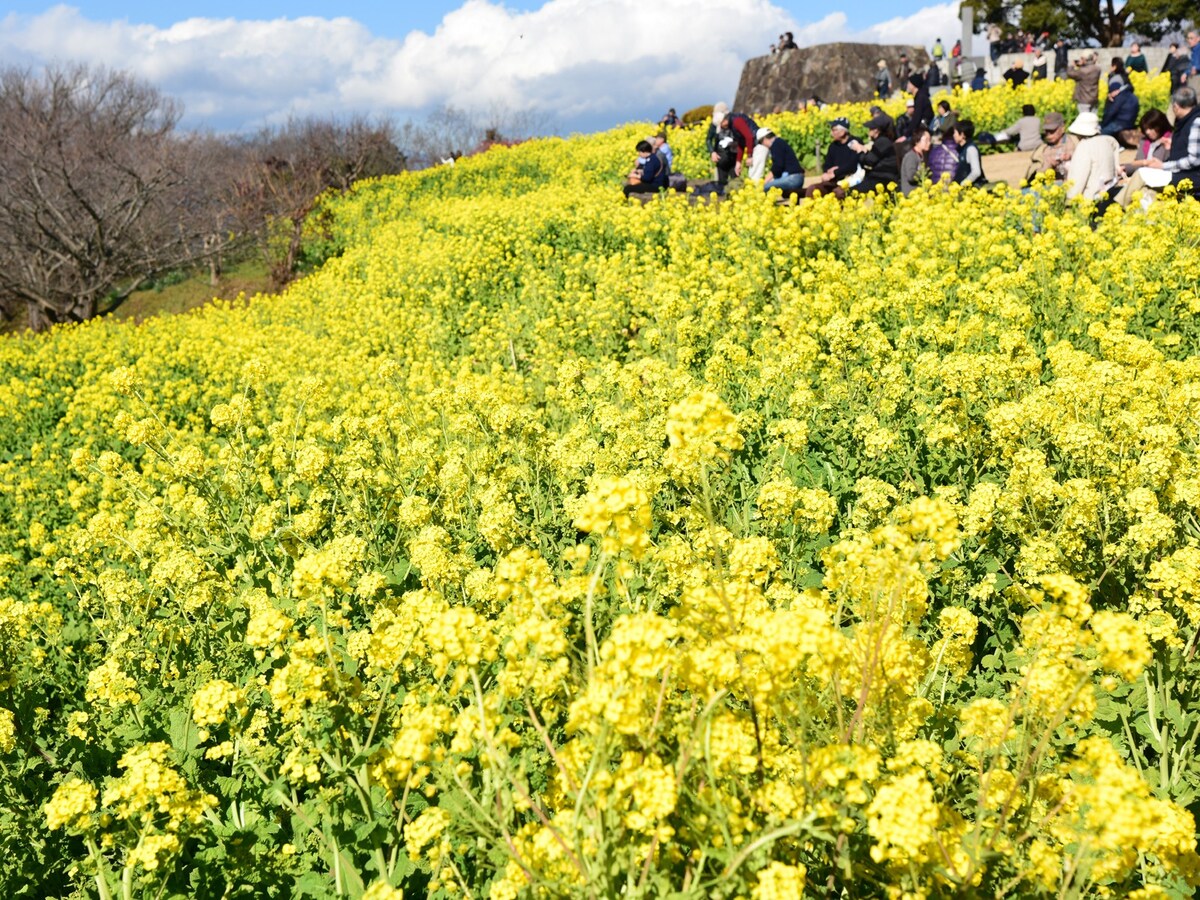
(677, 181)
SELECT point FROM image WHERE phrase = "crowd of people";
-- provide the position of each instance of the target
(923, 146)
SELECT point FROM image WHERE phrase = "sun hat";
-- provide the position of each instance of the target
(1085, 125)
(763, 132)
(881, 122)
(1053, 121)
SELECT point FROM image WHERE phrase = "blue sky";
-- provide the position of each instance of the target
(396, 20)
(585, 64)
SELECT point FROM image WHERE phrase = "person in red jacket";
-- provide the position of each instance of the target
(744, 131)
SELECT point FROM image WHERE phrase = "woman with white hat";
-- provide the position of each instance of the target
(1095, 161)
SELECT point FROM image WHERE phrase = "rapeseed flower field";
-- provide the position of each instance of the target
(546, 545)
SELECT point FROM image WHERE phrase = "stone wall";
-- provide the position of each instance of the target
(837, 73)
(1155, 57)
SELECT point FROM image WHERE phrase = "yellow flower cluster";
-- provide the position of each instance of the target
(543, 545)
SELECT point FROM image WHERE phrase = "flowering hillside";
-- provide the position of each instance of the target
(546, 545)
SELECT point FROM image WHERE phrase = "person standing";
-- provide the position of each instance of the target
(1136, 60)
(903, 71)
(1016, 75)
(922, 107)
(1086, 75)
(1040, 65)
(724, 154)
(1060, 59)
(883, 80)
(1193, 39)
(786, 173)
(1177, 64)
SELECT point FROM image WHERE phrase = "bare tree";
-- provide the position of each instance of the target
(285, 170)
(449, 132)
(89, 201)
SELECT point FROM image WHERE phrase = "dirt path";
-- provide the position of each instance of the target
(1007, 167)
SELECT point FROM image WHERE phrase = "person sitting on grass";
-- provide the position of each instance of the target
(1183, 161)
(943, 158)
(1095, 162)
(1121, 112)
(879, 161)
(1155, 144)
(913, 171)
(786, 172)
(1026, 131)
(970, 163)
(650, 175)
(841, 162)
(1054, 152)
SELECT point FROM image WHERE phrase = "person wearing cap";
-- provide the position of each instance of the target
(1183, 160)
(1054, 153)
(1121, 112)
(1026, 131)
(757, 169)
(1086, 75)
(922, 106)
(786, 172)
(1096, 161)
(841, 161)
(879, 162)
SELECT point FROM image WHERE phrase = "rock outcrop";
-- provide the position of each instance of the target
(836, 73)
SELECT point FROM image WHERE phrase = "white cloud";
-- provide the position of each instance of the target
(585, 63)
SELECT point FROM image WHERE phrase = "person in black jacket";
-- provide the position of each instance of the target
(1177, 65)
(922, 106)
(880, 162)
(652, 172)
(841, 161)
(786, 172)
(1061, 60)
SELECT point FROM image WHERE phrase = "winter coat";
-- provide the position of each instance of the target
(1087, 84)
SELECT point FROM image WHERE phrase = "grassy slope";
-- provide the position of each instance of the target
(190, 293)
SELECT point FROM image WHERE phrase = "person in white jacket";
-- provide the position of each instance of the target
(1095, 161)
